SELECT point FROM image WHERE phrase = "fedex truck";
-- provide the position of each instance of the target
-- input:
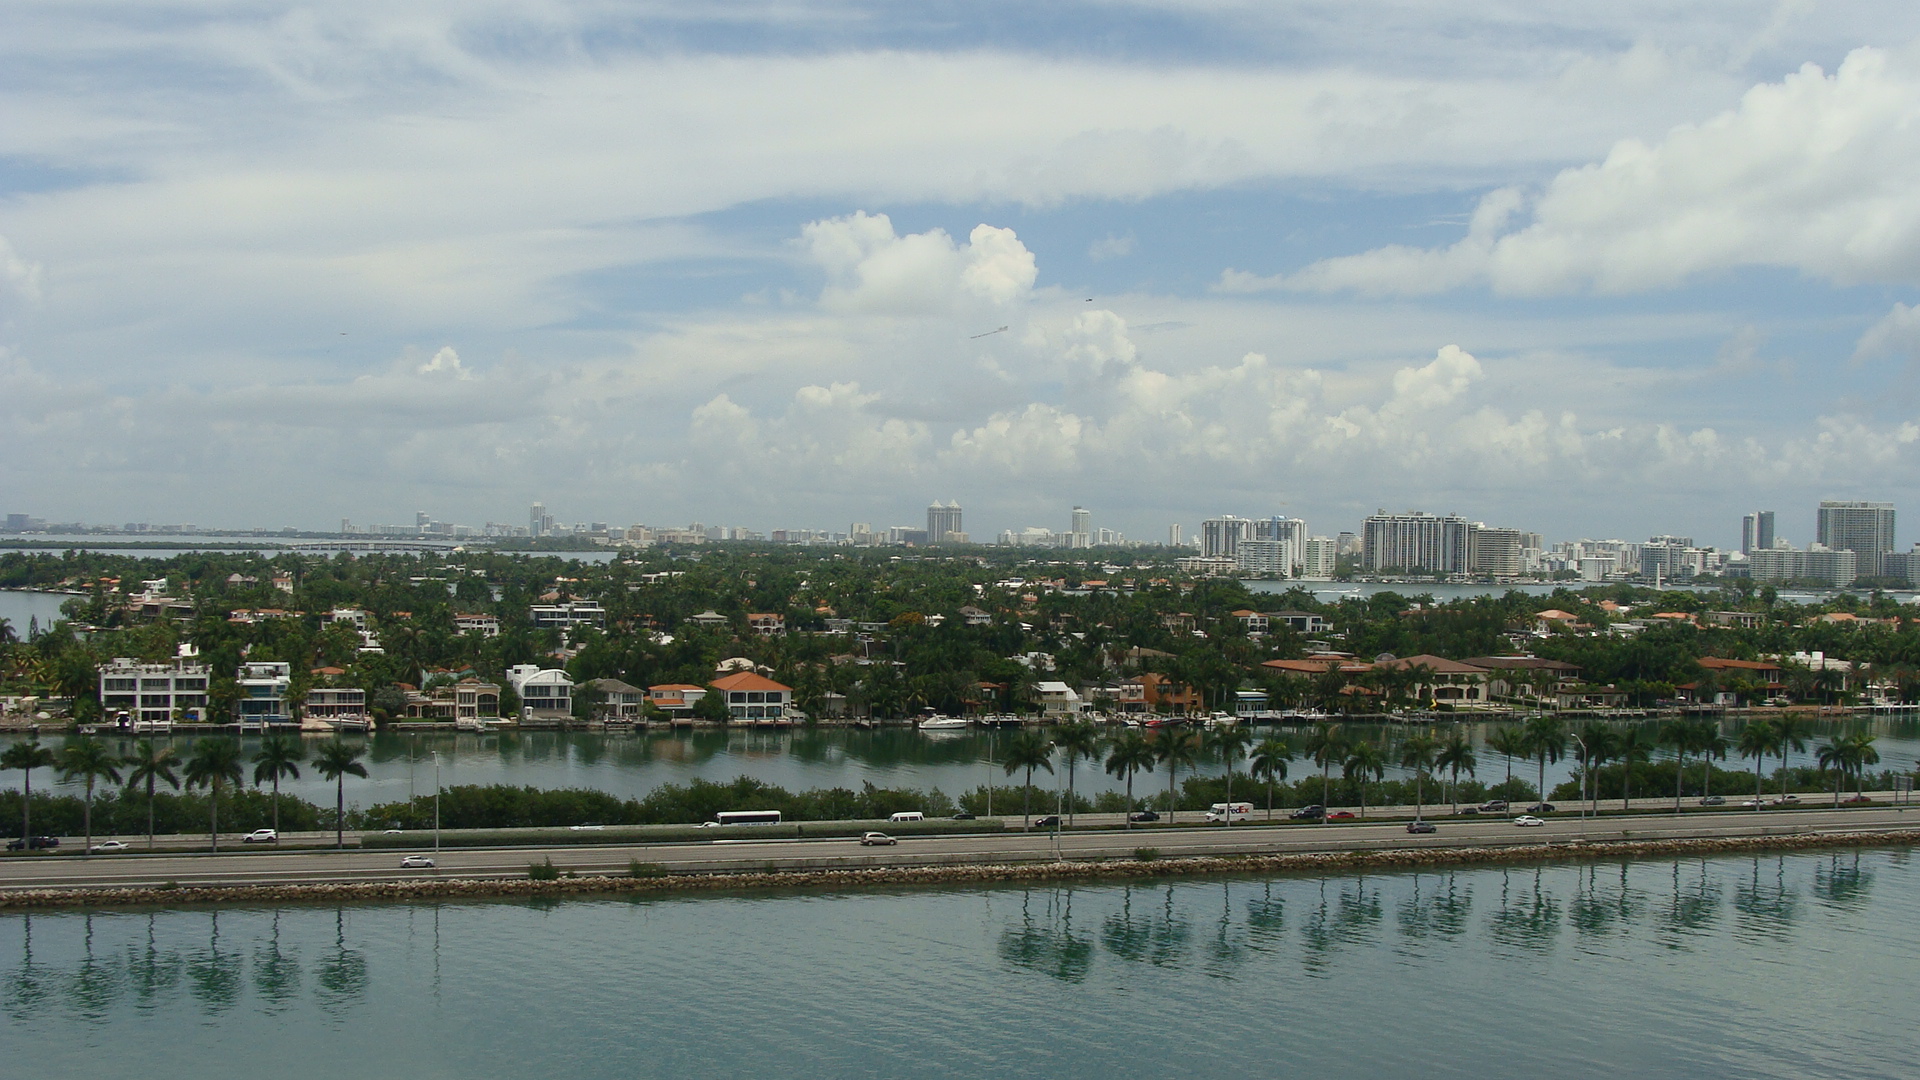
(1239, 811)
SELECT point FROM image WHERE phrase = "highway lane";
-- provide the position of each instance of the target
(261, 867)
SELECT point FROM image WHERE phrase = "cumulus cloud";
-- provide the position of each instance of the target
(872, 270)
(19, 279)
(1817, 173)
(445, 362)
(1897, 333)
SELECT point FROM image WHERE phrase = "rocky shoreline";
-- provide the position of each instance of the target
(988, 874)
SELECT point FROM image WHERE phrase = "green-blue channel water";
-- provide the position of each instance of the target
(1778, 966)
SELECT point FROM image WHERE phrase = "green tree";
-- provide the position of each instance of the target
(87, 760)
(1173, 746)
(336, 760)
(1680, 735)
(1419, 754)
(1546, 739)
(1594, 749)
(1456, 756)
(1230, 741)
(1790, 734)
(1710, 743)
(1269, 763)
(1028, 750)
(1127, 754)
(26, 757)
(278, 756)
(1364, 759)
(1756, 741)
(1326, 744)
(1634, 746)
(151, 763)
(213, 764)
(1510, 742)
(1077, 740)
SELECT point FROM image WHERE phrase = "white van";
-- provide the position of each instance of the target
(1240, 811)
(907, 815)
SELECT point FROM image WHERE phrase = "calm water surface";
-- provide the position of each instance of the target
(1788, 966)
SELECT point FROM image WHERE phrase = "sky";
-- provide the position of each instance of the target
(1594, 270)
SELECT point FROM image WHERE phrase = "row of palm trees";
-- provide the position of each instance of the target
(214, 763)
(1132, 752)
(1543, 739)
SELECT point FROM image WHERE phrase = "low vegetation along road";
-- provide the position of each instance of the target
(310, 867)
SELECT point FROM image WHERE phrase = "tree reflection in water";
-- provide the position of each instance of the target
(1530, 921)
(213, 976)
(1266, 915)
(1437, 908)
(153, 974)
(1046, 942)
(1599, 908)
(1840, 882)
(1349, 919)
(276, 975)
(1158, 939)
(96, 985)
(1227, 947)
(28, 987)
(340, 977)
(1764, 907)
(1691, 908)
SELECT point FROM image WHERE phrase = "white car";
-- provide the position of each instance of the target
(109, 845)
(876, 839)
(416, 862)
(1528, 821)
(261, 836)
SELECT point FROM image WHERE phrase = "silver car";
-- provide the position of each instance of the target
(876, 839)
(416, 862)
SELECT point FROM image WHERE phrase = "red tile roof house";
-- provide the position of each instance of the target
(755, 699)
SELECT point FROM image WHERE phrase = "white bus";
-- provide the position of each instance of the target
(747, 817)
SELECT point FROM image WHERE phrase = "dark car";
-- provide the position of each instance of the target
(1047, 822)
(963, 816)
(1469, 810)
(1418, 826)
(1540, 808)
(1309, 813)
(1144, 815)
(1714, 800)
(36, 843)
(1496, 806)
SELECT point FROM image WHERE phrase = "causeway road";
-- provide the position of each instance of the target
(260, 867)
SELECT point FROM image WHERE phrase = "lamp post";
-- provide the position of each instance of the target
(1586, 774)
(436, 806)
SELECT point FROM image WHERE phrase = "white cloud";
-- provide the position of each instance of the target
(871, 270)
(1818, 173)
(1898, 332)
(1111, 247)
(19, 279)
(446, 362)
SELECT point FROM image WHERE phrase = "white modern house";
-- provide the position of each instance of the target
(1057, 699)
(261, 689)
(544, 692)
(150, 693)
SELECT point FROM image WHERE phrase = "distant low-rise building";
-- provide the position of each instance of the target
(675, 699)
(545, 693)
(753, 697)
(480, 624)
(617, 700)
(261, 693)
(568, 615)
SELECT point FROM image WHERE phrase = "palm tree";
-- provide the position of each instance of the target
(279, 755)
(1269, 763)
(1365, 759)
(1130, 753)
(1509, 742)
(150, 763)
(1079, 739)
(1836, 755)
(1756, 741)
(1790, 733)
(1863, 755)
(1681, 735)
(1325, 745)
(1456, 756)
(1709, 743)
(1596, 748)
(26, 757)
(1232, 742)
(213, 764)
(336, 760)
(87, 759)
(1419, 754)
(1546, 740)
(1632, 747)
(1173, 748)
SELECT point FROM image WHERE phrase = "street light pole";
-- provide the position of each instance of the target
(436, 805)
(1586, 774)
